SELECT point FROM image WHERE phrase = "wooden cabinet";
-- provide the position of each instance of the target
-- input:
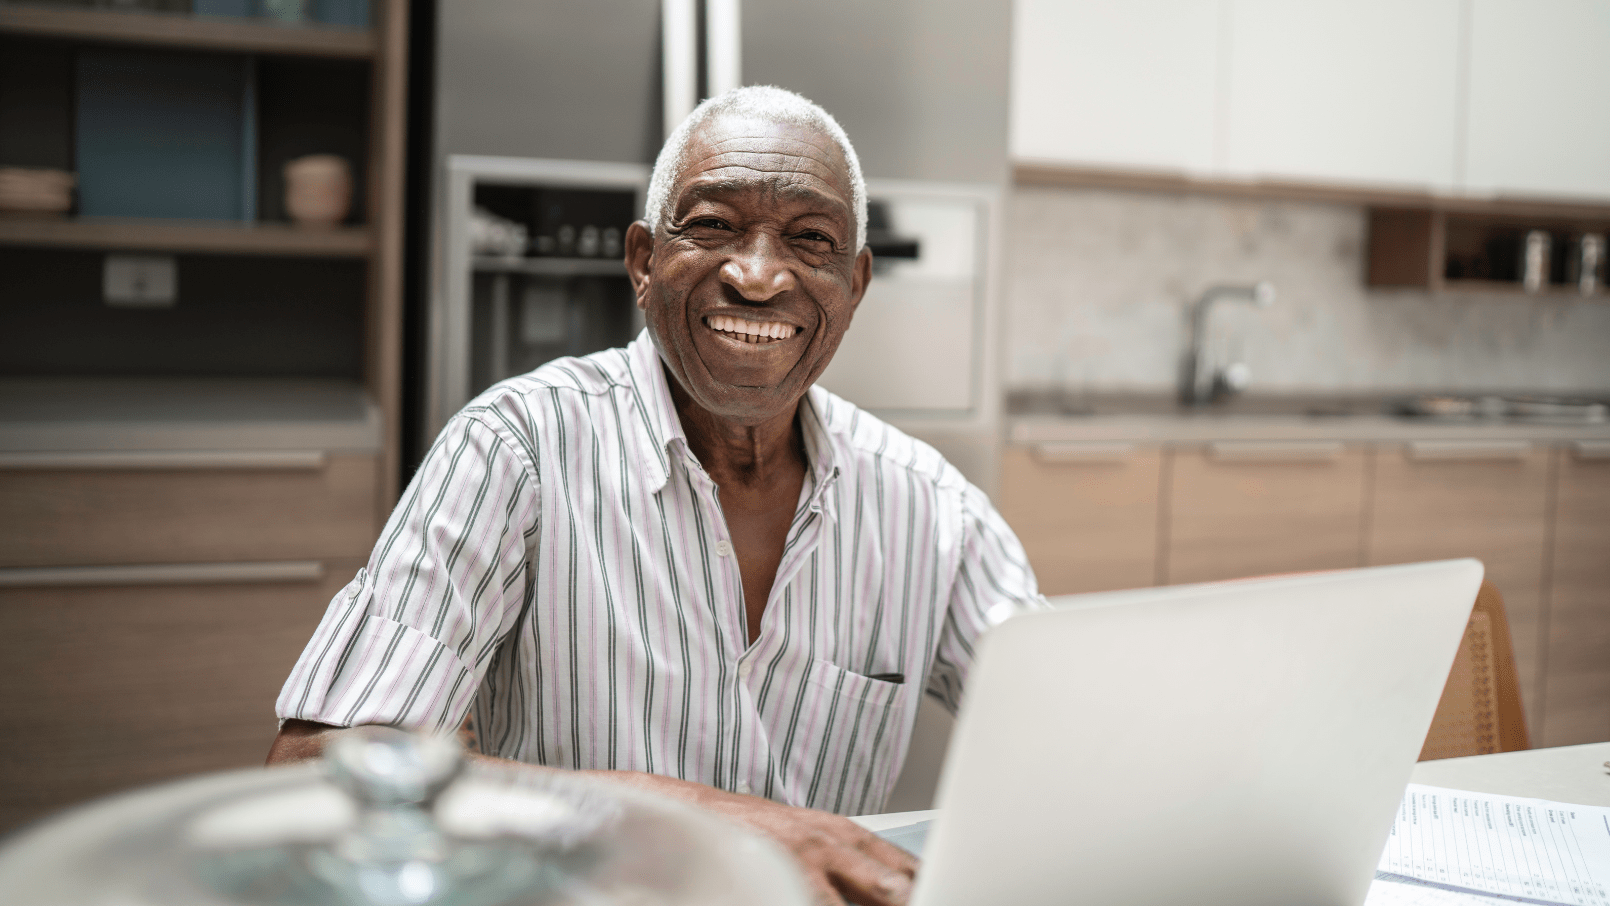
(1086, 513)
(169, 538)
(154, 508)
(1576, 696)
(1483, 499)
(110, 686)
(1097, 516)
(1245, 509)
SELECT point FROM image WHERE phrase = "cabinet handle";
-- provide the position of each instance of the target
(162, 460)
(1076, 452)
(1261, 451)
(1464, 450)
(1592, 449)
(162, 574)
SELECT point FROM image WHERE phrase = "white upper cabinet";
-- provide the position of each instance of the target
(1124, 84)
(1539, 96)
(1478, 97)
(1363, 92)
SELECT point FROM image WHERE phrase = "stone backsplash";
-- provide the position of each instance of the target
(1097, 284)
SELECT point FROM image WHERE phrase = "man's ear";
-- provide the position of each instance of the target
(861, 276)
(639, 260)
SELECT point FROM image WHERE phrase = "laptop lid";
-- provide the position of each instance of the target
(1239, 742)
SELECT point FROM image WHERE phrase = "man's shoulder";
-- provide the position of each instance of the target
(876, 445)
(564, 381)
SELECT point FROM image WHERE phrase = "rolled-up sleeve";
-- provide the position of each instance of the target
(993, 581)
(407, 641)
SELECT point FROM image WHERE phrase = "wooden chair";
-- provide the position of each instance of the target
(1480, 711)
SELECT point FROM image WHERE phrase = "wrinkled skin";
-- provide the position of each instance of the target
(761, 227)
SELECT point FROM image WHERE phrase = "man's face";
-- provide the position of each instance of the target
(751, 281)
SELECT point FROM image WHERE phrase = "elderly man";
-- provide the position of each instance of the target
(681, 562)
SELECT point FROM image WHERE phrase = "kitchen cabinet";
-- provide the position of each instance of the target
(145, 507)
(1538, 72)
(1483, 499)
(183, 488)
(1087, 514)
(1249, 508)
(1129, 85)
(1536, 513)
(1364, 92)
(1429, 101)
(119, 679)
(1577, 691)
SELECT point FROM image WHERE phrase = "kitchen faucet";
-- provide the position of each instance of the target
(1201, 379)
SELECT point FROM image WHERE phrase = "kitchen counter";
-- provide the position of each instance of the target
(1139, 419)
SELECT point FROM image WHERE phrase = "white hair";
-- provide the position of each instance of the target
(762, 102)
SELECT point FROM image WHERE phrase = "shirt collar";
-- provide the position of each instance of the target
(667, 440)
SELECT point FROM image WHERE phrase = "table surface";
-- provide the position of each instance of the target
(1574, 774)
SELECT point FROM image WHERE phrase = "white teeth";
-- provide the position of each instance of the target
(752, 331)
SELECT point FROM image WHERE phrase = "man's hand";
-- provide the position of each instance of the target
(842, 861)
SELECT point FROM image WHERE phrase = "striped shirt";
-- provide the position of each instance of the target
(560, 564)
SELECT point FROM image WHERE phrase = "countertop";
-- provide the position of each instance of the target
(1141, 419)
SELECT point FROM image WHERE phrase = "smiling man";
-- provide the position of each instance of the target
(682, 563)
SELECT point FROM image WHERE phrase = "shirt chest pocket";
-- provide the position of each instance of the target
(848, 739)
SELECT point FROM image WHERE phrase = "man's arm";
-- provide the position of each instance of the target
(842, 861)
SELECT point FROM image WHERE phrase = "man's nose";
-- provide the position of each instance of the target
(758, 270)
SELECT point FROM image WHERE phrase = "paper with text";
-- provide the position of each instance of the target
(1532, 849)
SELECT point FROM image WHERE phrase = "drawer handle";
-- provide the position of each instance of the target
(1465, 450)
(1070, 453)
(1275, 452)
(1592, 449)
(162, 574)
(165, 459)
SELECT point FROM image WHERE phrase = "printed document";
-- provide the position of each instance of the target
(1456, 847)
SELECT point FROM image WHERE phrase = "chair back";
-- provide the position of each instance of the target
(1480, 710)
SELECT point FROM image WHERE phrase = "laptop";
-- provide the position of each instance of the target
(1240, 742)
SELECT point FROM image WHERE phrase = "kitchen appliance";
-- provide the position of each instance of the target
(533, 270)
(1518, 407)
(392, 819)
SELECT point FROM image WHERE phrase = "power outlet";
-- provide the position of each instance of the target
(140, 281)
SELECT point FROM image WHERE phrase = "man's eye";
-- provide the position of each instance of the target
(709, 223)
(814, 236)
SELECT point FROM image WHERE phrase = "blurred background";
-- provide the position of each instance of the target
(1196, 289)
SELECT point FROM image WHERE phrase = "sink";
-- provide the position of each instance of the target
(1050, 403)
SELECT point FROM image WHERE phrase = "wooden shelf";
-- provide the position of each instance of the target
(1511, 287)
(177, 30)
(552, 267)
(216, 237)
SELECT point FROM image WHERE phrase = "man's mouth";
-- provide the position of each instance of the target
(756, 332)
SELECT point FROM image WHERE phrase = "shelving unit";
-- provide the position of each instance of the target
(1427, 246)
(183, 489)
(171, 30)
(206, 236)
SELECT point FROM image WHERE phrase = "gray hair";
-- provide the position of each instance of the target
(762, 102)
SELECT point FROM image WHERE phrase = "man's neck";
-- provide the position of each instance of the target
(753, 456)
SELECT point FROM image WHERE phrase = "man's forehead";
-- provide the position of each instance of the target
(732, 154)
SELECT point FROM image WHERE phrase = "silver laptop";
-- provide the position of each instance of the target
(1238, 742)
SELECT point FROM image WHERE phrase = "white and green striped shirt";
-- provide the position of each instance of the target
(560, 564)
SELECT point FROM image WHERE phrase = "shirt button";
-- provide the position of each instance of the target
(723, 548)
(743, 788)
(744, 669)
